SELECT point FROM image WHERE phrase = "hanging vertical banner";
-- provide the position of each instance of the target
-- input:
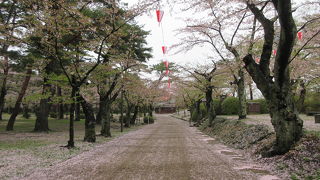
(274, 52)
(164, 49)
(299, 35)
(159, 15)
(166, 64)
(169, 84)
(167, 71)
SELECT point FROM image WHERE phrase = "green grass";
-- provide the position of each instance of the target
(21, 144)
(23, 137)
(27, 125)
(313, 133)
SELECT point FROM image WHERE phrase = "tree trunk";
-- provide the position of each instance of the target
(71, 120)
(242, 95)
(128, 115)
(90, 132)
(121, 112)
(150, 110)
(99, 112)
(287, 124)
(42, 112)
(105, 118)
(19, 100)
(209, 106)
(77, 108)
(60, 106)
(135, 113)
(251, 90)
(3, 91)
(302, 96)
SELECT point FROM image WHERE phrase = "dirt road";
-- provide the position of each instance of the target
(168, 149)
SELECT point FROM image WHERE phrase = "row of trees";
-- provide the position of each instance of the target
(73, 52)
(255, 41)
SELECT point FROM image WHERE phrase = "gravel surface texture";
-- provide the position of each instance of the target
(168, 149)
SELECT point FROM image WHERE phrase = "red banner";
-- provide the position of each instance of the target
(159, 15)
(164, 49)
(300, 35)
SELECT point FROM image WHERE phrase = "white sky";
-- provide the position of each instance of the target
(171, 22)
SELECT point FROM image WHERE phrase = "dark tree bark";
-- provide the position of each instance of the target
(71, 120)
(16, 109)
(105, 119)
(250, 90)
(135, 114)
(302, 96)
(128, 114)
(150, 110)
(60, 105)
(3, 91)
(121, 112)
(77, 108)
(42, 112)
(242, 95)
(277, 89)
(90, 121)
(99, 112)
(197, 111)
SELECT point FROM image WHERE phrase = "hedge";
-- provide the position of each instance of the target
(230, 106)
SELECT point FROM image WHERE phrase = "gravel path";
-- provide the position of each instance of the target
(168, 149)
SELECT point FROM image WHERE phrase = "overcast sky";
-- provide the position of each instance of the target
(171, 22)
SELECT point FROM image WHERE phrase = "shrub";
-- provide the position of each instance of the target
(194, 116)
(148, 119)
(312, 102)
(217, 106)
(151, 119)
(203, 110)
(230, 106)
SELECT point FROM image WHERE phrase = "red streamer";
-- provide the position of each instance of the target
(159, 15)
(169, 84)
(300, 35)
(164, 49)
(274, 52)
(166, 63)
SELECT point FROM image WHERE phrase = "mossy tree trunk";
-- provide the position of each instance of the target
(3, 91)
(242, 95)
(99, 111)
(77, 107)
(135, 114)
(277, 89)
(128, 113)
(22, 92)
(90, 121)
(105, 119)
(60, 105)
(42, 112)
